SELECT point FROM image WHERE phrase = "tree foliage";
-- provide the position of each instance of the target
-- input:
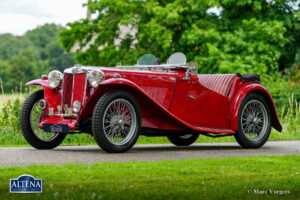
(246, 36)
(23, 58)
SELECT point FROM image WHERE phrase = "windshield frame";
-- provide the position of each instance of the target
(159, 67)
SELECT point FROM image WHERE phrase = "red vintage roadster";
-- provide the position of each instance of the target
(116, 105)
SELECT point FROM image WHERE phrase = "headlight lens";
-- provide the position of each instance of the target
(95, 77)
(76, 106)
(55, 78)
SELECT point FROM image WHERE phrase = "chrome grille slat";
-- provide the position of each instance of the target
(67, 90)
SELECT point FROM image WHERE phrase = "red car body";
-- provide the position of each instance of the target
(167, 99)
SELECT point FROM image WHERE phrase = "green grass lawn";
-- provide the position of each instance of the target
(222, 178)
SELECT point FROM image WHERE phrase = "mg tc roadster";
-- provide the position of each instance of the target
(116, 105)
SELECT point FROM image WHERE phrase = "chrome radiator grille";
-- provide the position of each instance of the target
(67, 89)
(74, 89)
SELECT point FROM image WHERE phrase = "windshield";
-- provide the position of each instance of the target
(177, 58)
(148, 59)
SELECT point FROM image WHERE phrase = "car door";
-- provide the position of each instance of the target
(207, 102)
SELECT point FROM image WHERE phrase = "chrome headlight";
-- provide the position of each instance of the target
(76, 106)
(95, 77)
(55, 79)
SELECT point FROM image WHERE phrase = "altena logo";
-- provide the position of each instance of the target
(26, 184)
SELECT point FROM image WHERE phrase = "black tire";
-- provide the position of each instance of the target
(98, 121)
(26, 128)
(261, 138)
(183, 140)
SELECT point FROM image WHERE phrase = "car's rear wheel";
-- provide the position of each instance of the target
(254, 121)
(30, 118)
(183, 140)
(116, 121)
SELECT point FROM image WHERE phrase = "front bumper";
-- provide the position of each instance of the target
(58, 120)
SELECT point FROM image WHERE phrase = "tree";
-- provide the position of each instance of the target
(280, 10)
(23, 68)
(4, 66)
(11, 45)
(247, 36)
(58, 59)
(23, 58)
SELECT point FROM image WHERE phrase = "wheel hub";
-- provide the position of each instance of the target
(256, 121)
(121, 123)
(117, 121)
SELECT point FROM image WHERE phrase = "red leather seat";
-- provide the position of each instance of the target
(220, 83)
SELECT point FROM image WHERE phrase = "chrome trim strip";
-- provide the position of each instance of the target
(163, 66)
(75, 70)
(72, 91)
(85, 88)
(159, 66)
(65, 115)
(62, 92)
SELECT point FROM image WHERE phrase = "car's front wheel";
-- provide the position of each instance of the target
(31, 116)
(254, 121)
(116, 121)
(183, 140)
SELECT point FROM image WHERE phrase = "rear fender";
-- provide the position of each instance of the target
(244, 91)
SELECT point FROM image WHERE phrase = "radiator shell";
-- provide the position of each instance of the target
(74, 89)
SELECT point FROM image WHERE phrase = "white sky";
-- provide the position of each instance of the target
(19, 16)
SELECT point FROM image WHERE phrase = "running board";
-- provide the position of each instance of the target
(213, 130)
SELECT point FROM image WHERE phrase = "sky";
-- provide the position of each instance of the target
(19, 16)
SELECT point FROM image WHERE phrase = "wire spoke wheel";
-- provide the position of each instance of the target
(116, 121)
(119, 121)
(30, 119)
(254, 120)
(35, 120)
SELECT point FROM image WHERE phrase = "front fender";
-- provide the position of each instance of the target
(253, 87)
(41, 82)
(52, 97)
(120, 83)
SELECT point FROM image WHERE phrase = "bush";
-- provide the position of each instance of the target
(290, 120)
(10, 115)
(282, 88)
